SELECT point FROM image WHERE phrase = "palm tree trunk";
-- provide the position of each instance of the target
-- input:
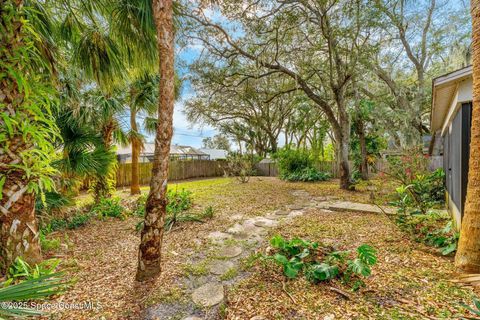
(149, 256)
(18, 225)
(135, 184)
(467, 258)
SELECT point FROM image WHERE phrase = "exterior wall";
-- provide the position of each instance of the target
(456, 153)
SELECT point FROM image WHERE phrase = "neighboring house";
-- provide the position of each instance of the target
(124, 154)
(215, 154)
(450, 125)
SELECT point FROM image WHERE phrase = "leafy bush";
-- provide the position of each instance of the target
(52, 201)
(292, 160)
(420, 192)
(140, 206)
(296, 165)
(318, 263)
(240, 166)
(179, 202)
(78, 221)
(431, 229)
(424, 192)
(109, 207)
(48, 244)
(71, 223)
(21, 270)
(306, 175)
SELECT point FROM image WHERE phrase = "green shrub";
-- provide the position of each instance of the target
(48, 244)
(306, 175)
(140, 206)
(78, 221)
(318, 263)
(292, 160)
(179, 202)
(296, 165)
(240, 166)
(21, 270)
(109, 207)
(432, 229)
(55, 224)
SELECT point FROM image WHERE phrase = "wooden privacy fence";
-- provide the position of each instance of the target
(178, 170)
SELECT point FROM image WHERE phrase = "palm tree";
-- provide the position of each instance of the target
(467, 258)
(27, 130)
(149, 257)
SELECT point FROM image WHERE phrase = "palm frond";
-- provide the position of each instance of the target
(99, 56)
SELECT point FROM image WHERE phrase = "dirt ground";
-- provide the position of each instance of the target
(409, 282)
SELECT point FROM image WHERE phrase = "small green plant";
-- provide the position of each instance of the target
(208, 213)
(432, 229)
(230, 274)
(48, 244)
(21, 270)
(319, 264)
(109, 207)
(178, 203)
(78, 221)
(139, 210)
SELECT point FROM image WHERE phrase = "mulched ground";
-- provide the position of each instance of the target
(409, 282)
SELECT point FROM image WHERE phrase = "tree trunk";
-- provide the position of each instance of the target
(342, 137)
(360, 128)
(18, 225)
(136, 146)
(149, 256)
(467, 258)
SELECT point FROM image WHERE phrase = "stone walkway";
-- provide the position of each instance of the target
(227, 248)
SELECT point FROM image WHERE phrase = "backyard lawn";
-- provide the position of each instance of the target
(410, 281)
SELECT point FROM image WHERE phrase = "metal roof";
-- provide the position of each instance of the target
(149, 149)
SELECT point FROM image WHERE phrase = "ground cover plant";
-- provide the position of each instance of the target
(321, 263)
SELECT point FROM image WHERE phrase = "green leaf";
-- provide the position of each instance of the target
(321, 272)
(290, 271)
(367, 254)
(359, 267)
(277, 242)
(449, 249)
(280, 259)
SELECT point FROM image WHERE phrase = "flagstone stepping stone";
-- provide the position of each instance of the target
(281, 213)
(208, 295)
(219, 267)
(236, 217)
(236, 229)
(295, 207)
(265, 223)
(272, 217)
(296, 213)
(192, 318)
(218, 236)
(229, 252)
